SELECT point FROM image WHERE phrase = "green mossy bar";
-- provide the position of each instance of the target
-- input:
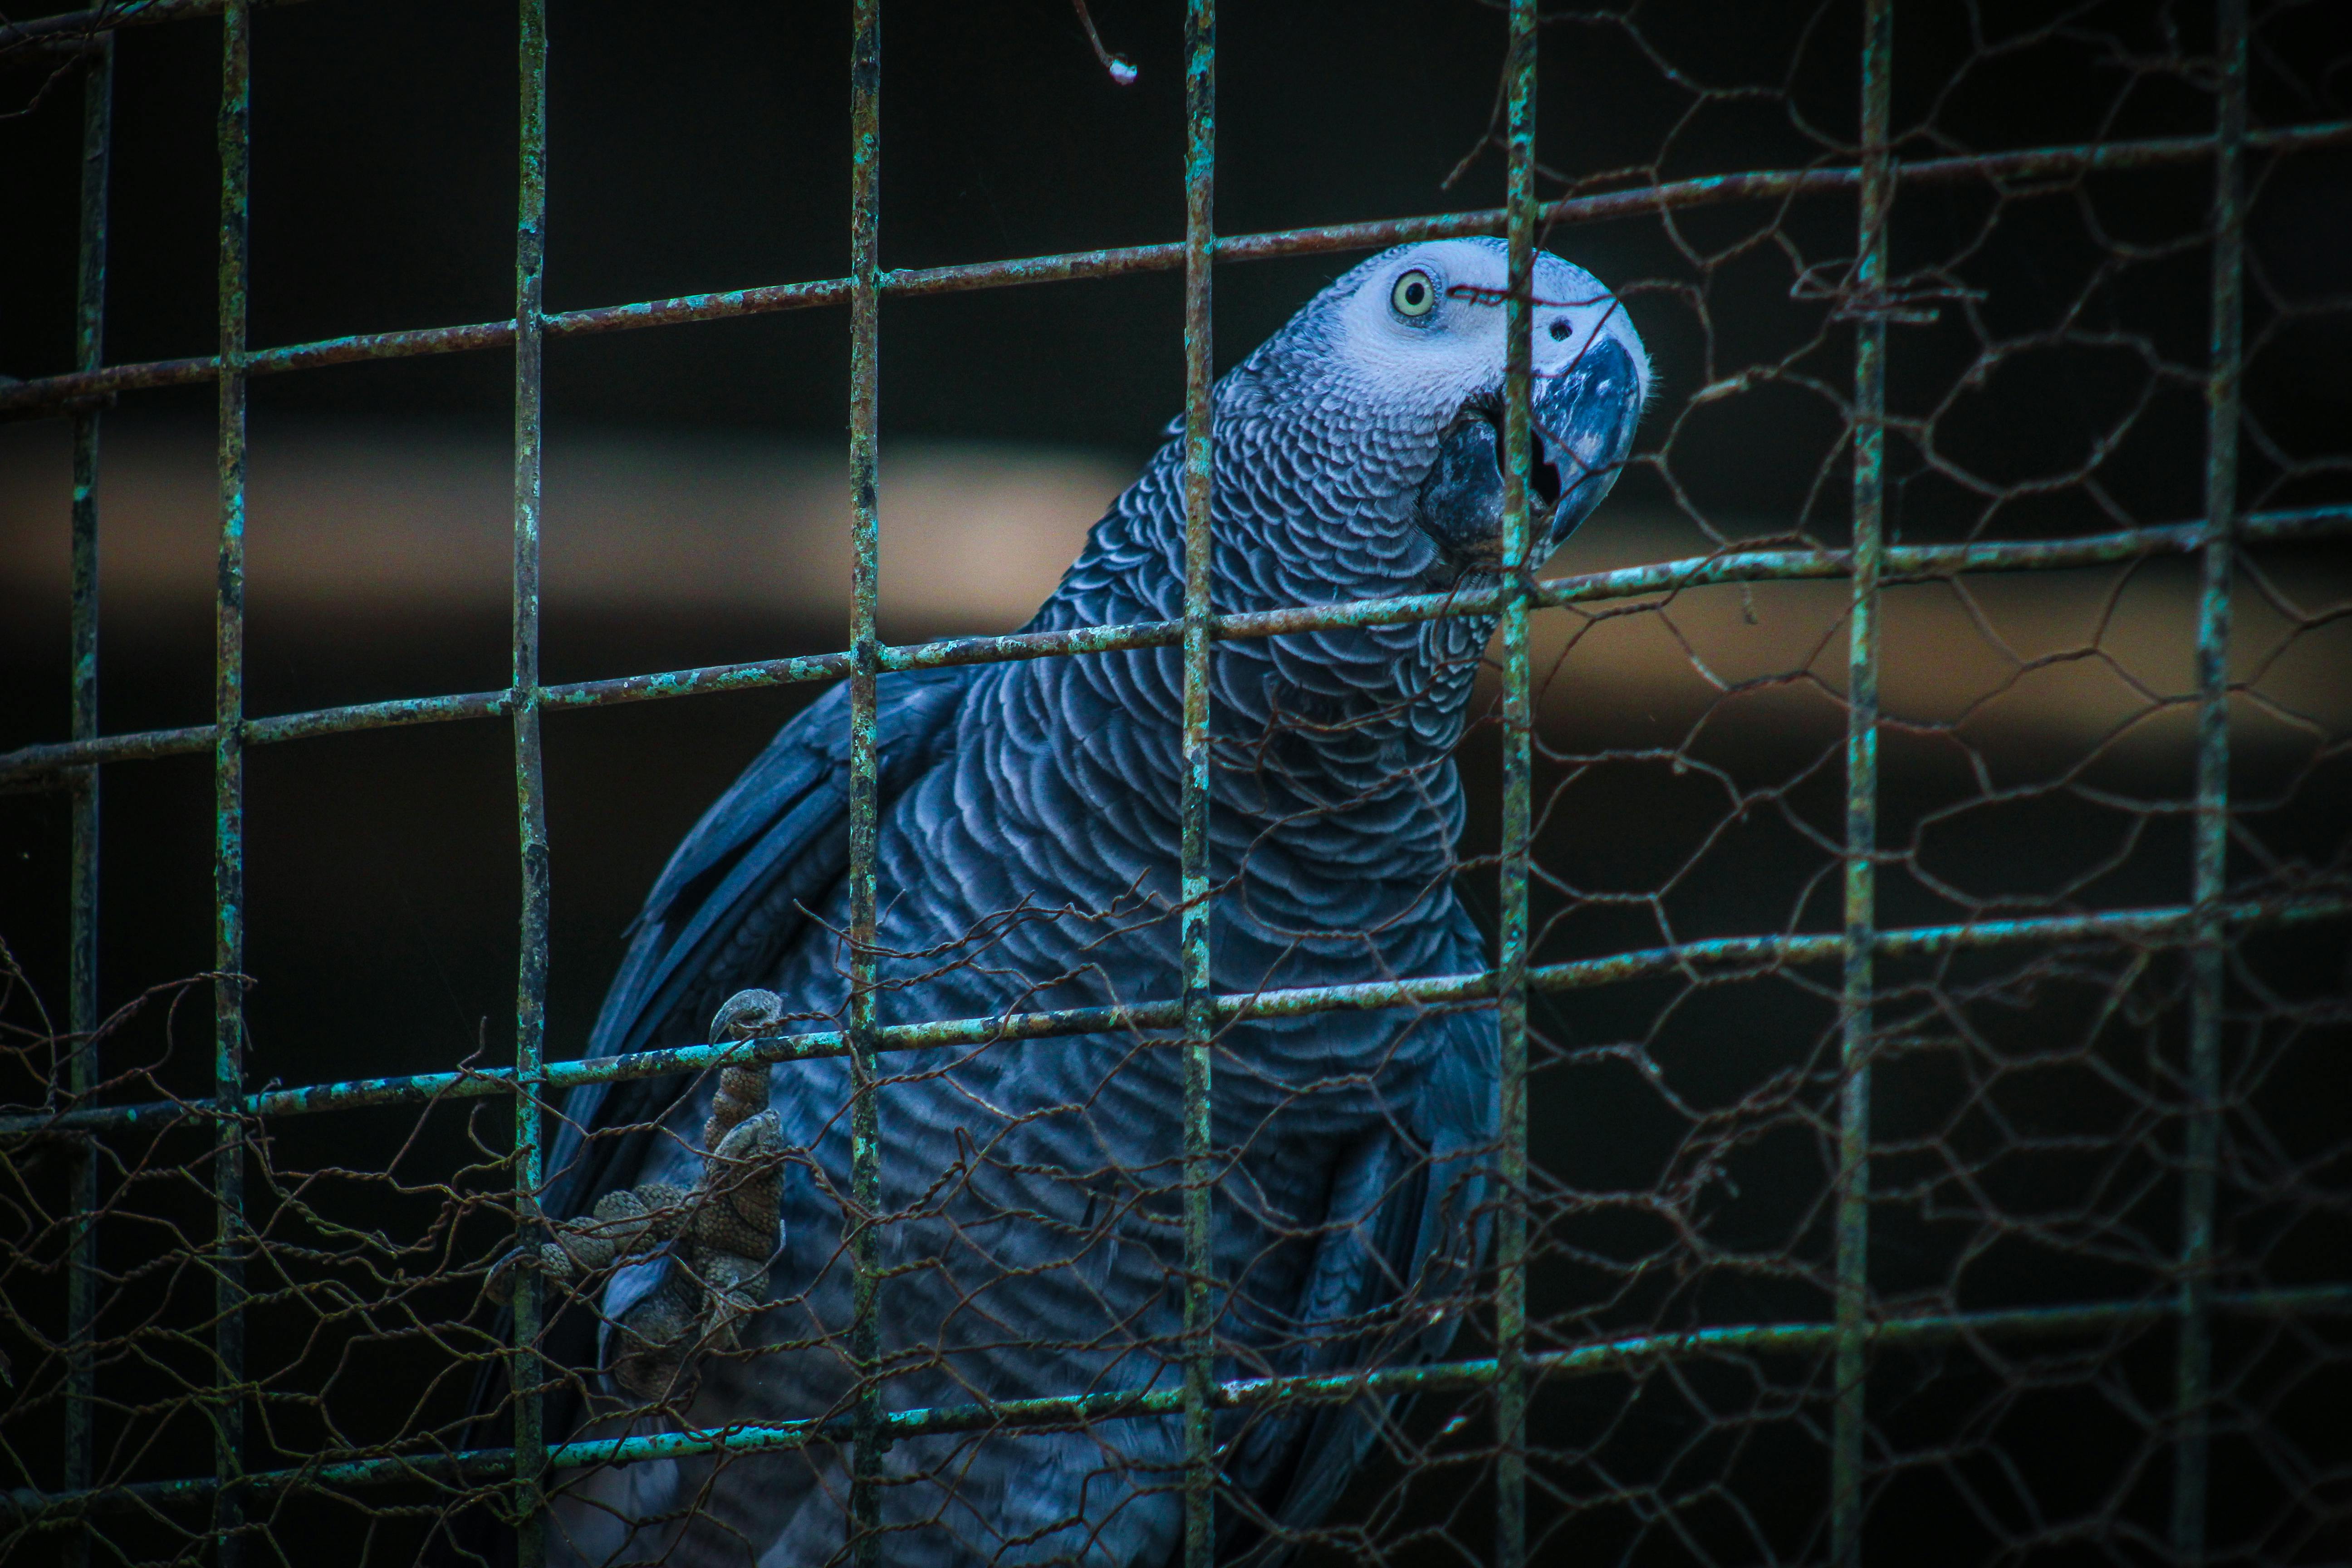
(56, 394)
(44, 764)
(1630, 1354)
(1713, 959)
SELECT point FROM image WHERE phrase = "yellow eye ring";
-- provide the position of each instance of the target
(1414, 294)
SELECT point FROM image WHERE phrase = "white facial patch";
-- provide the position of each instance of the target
(1427, 366)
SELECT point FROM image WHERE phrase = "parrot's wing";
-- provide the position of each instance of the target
(732, 900)
(1405, 1233)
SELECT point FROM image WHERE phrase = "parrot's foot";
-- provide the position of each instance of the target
(718, 1264)
(720, 1233)
(727, 1228)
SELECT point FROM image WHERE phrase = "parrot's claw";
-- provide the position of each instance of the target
(726, 1226)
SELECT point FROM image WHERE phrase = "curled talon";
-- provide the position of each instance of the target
(499, 1283)
(747, 1016)
(652, 1337)
(623, 1224)
(554, 1261)
(742, 1091)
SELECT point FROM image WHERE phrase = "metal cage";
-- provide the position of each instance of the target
(2205, 927)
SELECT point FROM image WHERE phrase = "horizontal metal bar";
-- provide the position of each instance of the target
(112, 18)
(58, 393)
(2168, 926)
(1631, 1353)
(1904, 563)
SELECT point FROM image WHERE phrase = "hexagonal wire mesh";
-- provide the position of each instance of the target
(1972, 1215)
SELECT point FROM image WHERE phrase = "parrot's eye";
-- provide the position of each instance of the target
(1414, 294)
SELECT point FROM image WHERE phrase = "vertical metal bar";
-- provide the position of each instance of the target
(530, 796)
(81, 1000)
(1200, 1349)
(2210, 869)
(1511, 1382)
(866, 655)
(1849, 1425)
(228, 778)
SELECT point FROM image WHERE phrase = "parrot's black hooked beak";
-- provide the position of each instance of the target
(1584, 427)
(1584, 420)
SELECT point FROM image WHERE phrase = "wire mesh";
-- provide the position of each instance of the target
(1987, 1202)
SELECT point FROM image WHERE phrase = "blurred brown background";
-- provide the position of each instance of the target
(378, 567)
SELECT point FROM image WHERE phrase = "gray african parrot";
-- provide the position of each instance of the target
(1028, 860)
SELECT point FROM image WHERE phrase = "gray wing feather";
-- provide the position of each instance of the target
(732, 899)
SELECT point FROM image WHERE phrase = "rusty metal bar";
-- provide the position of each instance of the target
(2210, 855)
(82, 1070)
(864, 672)
(228, 785)
(1633, 1353)
(1710, 961)
(526, 1375)
(1512, 1385)
(1850, 1429)
(1200, 1346)
(1853, 1215)
(1904, 563)
(52, 394)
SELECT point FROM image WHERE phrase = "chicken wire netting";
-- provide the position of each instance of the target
(1928, 1135)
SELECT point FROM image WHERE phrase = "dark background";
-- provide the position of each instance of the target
(702, 147)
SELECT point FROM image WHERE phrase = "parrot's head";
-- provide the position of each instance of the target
(1387, 388)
